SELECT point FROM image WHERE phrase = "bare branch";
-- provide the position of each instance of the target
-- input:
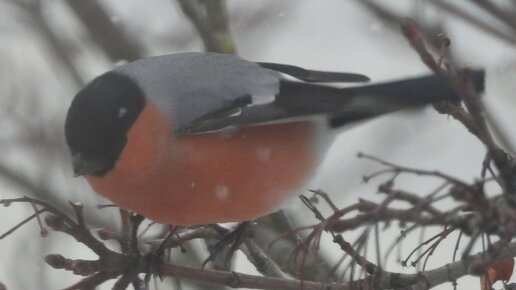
(115, 43)
(210, 20)
(58, 50)
(476, 121)
(503, 16)
(483, 25)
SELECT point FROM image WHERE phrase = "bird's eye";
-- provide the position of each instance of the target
(122, 112)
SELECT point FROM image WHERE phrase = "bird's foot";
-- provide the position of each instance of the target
(155, 259)
(233, 239)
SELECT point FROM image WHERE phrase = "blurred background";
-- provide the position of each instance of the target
(50, 49)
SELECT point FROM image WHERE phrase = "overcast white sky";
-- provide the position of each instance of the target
(331, 34)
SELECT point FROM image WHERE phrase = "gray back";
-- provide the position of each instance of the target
(190, 85)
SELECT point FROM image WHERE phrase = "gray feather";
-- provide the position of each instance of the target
(207, 92)
(191, 85)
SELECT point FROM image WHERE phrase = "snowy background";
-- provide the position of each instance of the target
(38, 81)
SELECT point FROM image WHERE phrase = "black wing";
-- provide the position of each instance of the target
(341, 105)
(314, 76)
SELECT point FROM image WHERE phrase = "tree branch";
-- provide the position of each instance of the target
(210, 21)
(115, 43)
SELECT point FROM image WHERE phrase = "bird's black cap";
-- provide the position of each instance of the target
(98, 120)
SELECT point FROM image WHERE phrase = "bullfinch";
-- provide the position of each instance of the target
(202, 138)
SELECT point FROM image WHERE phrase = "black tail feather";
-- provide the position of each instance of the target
(345, 105)
(296, 100)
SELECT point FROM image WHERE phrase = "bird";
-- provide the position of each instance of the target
(201, 138)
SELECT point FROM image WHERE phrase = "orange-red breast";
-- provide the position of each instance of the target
(198, 138)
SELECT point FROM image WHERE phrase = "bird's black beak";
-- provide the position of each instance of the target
(82, 165)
